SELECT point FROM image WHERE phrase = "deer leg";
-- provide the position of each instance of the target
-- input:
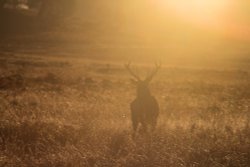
(144, 127)
(153, 124)
(135, 123)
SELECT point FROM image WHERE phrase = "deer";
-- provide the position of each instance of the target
(144, 108)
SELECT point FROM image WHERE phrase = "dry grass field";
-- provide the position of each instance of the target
(74, 111)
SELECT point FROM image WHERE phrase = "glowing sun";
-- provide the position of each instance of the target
(204, 12)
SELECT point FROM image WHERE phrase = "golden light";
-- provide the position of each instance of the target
(226, 17)
(201, 12)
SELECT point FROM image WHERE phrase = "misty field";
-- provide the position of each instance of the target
(73, 111)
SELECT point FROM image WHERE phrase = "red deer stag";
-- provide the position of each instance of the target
(145, 108)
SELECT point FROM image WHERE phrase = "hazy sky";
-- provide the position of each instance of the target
(229, 18)
(200, 26)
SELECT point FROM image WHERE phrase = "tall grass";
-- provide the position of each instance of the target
(74, 114)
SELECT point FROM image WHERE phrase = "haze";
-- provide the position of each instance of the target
(176, 27)
(126, 83)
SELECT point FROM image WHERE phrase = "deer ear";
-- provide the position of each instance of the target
(133, 81)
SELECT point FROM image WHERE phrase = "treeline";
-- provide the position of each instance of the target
(37, 15)
(32, 15)
(43, 9)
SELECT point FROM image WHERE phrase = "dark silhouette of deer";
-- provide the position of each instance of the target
(145, 108)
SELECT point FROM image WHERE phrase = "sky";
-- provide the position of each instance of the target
(193, 26)
(228, 17)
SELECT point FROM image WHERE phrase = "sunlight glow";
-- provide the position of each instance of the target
(226, 17)
(202, 12)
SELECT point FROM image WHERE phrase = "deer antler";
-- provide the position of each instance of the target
(150, 77)
(127, 66)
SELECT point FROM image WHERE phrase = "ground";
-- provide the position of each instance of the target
(63, 108)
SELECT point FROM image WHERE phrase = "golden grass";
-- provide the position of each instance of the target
(75, 112)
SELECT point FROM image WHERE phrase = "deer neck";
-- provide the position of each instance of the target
(145, 95)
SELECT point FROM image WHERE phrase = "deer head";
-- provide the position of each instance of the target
(142, 86)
